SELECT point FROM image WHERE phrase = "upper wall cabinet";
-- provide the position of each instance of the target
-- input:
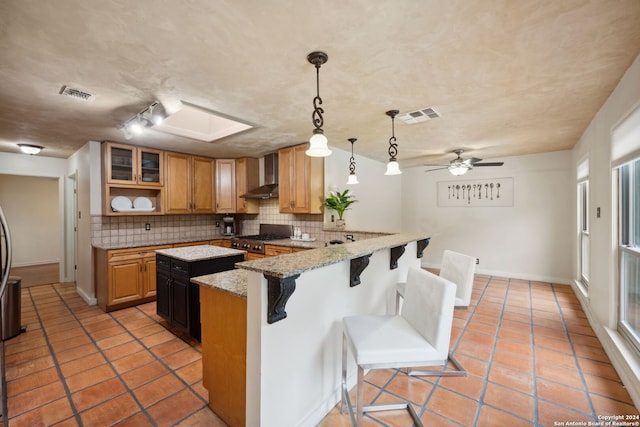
(235, 177)
(129, 165)
(225, 185)
(301, 181)
(247, 178)
(190, 183)
(134, 177)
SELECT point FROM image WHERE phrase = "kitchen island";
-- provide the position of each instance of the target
(294, 308)
(178, 300)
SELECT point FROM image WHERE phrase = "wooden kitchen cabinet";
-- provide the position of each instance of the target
(125, 277)
(301, 181)
(247, 178)
(190, 184)
(224, 353)
(129, 165)
(274, 250)
(235, 177)
(225, 185)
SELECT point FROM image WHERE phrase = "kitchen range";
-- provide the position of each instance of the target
(254, 244)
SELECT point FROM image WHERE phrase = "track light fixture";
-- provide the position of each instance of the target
(353, 179)
(393, 168)
(151, 116)
(30, 148)
(318, 142)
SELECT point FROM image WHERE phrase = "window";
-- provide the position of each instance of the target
(629, 250)
(583, 221)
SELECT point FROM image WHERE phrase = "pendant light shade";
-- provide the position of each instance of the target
(318, 142)
(393, 168)
(353, 179)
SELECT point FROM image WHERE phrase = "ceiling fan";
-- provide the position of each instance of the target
(460, 166)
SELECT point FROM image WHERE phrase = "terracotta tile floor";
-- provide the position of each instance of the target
(531, 357)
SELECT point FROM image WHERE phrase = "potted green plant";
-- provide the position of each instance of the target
(339, 202)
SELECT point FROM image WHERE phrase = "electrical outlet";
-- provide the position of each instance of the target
(218, 224)
(147, 226)
(332, 218)
(477, 261)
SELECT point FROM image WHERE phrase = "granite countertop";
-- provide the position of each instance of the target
(299, 262)
(198, 253)
(231, 281)
(297, 243)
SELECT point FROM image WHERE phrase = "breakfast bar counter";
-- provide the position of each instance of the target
(282, 316)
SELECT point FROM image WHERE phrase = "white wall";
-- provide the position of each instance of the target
(601, 300)
(379, 196)
(531, 239)
(31, 207)
(85, 164)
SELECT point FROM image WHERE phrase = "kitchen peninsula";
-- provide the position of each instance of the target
(294, 307)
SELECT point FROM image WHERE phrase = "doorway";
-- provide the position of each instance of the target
(31, 205)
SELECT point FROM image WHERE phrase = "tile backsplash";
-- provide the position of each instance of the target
(113, 230)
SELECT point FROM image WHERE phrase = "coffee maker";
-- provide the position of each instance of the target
(229, 226)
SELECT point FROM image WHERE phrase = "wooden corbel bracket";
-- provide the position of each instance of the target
(278, 292)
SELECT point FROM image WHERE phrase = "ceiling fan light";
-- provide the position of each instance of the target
(29, 148)
(318, 146)
(458, 169)
(393, 168)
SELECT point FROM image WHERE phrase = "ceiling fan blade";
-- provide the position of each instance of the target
(473, 160)
(447, 165)
(488, 164)
(439, 169)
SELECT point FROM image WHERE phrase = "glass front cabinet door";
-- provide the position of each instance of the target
(130, 165)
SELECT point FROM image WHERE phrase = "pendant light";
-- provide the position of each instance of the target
(393, 168)
(353, 179)
(318, 142)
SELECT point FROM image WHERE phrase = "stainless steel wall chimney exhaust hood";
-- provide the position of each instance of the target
(270, 187)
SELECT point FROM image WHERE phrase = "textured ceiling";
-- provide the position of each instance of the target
(508, 77)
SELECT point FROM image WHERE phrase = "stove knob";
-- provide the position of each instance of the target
(257, 247)
(246, 246)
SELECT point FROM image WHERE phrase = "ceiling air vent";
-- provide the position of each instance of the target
(76, 93)
(421, 115)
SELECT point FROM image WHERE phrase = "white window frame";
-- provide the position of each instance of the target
(583, 231)
(628, 250)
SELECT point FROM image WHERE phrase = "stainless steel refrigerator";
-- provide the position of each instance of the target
(5, 257)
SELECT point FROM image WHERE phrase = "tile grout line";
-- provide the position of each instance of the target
(575, 356)
(53, 355)
(162, 362)
(485, 381)
(128, 390)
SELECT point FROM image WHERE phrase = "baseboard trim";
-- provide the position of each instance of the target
(514, 275)
(90, 300)
(623, 358)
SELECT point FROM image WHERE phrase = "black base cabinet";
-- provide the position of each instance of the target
(177, 299)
